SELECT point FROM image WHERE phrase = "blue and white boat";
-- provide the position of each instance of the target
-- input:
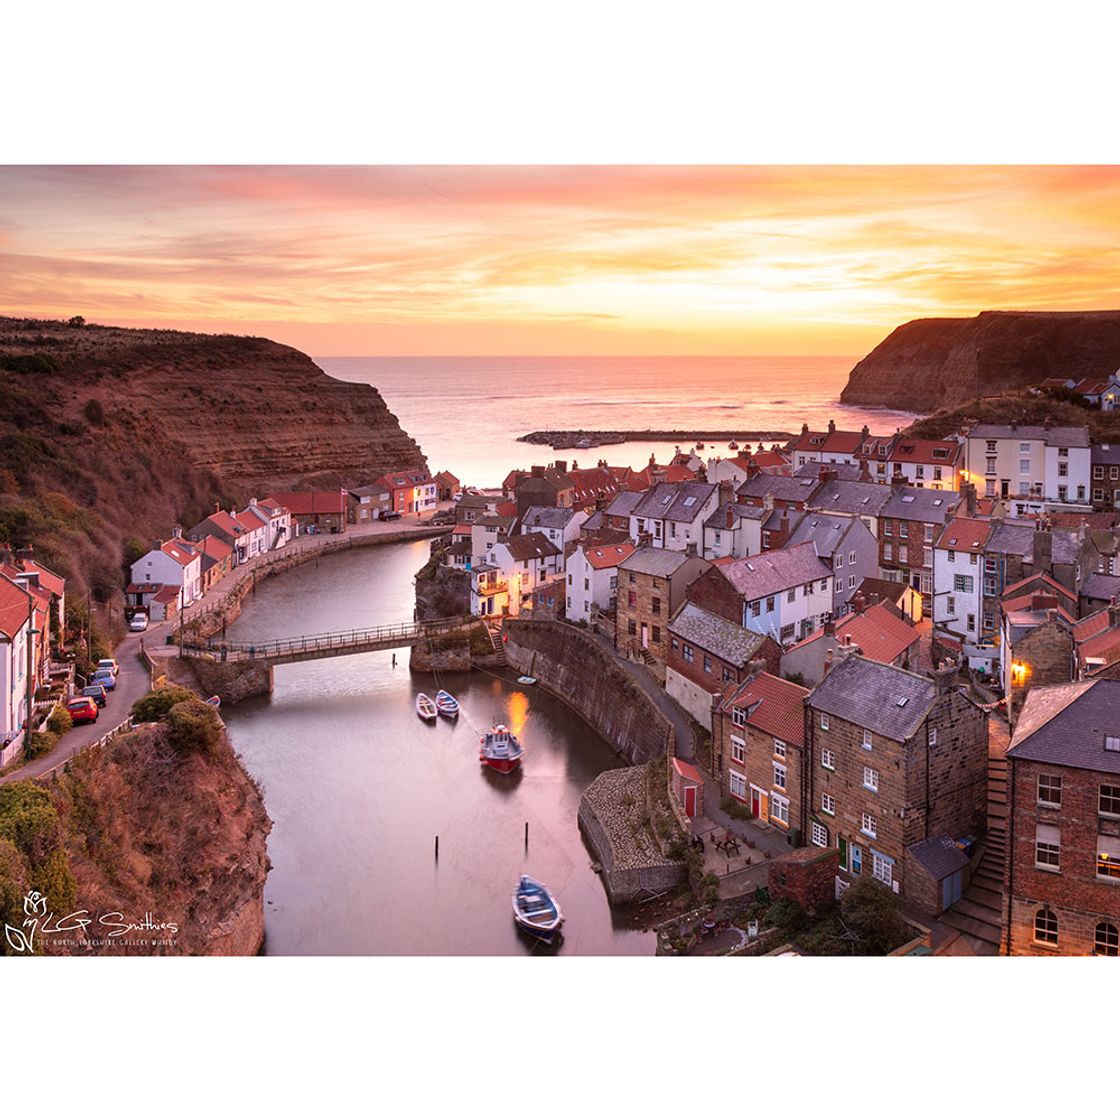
(535, 910)
(447, 704)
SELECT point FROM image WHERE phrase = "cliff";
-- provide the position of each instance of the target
(140, 832)
(937, 363)
(109, 434)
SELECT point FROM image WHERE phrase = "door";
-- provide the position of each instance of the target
(645, 636)
(690, 801)
(756, 802)
(856, 854)
(950, 889)
(842, 844)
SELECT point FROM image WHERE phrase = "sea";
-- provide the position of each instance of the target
(467, 412)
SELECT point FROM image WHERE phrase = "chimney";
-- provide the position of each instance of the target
(727, 492)
(829, 628)
(804, 429)
(730, 518)
(827, 661)
(645, 539)
(1114, 611)
(690, 549)
(562, 466)
(27, 552)
(859, 603)
(1052, 614)
(865, 433)
(831, 426)
(536, 472)
(898, 481)
(252, 503)
(5, 553)
(945, 677)
(756, 667)
(1043, 550)
(826, 474)
(575, 465)
(178, 532)
(968, 496)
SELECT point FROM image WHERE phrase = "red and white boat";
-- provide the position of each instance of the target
(500, 749)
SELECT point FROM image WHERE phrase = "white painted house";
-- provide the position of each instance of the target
(958, 577)
(673, 514)
(734, 529)
(14, 635)
(174, 563)
(557, 524)
(591, 578)
(1030, 466)
(524, 562)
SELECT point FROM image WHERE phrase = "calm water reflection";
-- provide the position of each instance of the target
(358, 787)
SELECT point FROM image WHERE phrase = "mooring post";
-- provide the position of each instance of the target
(526, 836)
(437, 849)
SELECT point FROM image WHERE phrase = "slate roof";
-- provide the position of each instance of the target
(849, 472)
(1100, 586)
(774, 705)
(783, 487)
(866, 499)
(939, 855)
(915, 503)
(1054, 437)
(824, 530)
(1065, 724)
(623, 503)
(547, 517)
(529, 546)
(1016, 538)
(888, 701)
(755, 577)
(738, 511)
(674, 501)
(713, 634)
(1104, 454)
(662, 562)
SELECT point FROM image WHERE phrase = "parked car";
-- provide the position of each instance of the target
(390, 515)
(138, 622)
(104, 677)
(109, 663)
(82, 710)
(96, 693)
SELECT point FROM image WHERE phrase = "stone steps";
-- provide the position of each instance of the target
(981, 930)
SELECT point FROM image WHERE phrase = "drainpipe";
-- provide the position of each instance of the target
(1009, 854)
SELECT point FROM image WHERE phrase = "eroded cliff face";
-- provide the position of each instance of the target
(936, 363)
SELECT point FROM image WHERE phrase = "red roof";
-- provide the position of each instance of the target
(216, 549)
(879, 632)
(14, 606)
(608, 556)
(774, 705)
(220, 519)
(505, 509)
(936, 452)
(168, 593)
(965, 534)
(1039, 578)
(1091, 624)
(303, 503)
(687, 770)
(182, 552)
(1105, 645)
(53, 582)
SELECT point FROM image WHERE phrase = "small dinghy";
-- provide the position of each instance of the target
(425, 706)
(526, 680)
(500, 750)
(732, 446)
(447, 704)
(535, 910)
(215, 701)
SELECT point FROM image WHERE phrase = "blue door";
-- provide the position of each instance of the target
(950, 889)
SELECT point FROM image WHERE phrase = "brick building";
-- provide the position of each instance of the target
(758, 748)
(1063, 876)
(893, 758)
(651, 587)
(707, 653)
(806, 876)
(911, 521)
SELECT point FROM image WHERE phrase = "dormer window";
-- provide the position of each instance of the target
(1112, 743)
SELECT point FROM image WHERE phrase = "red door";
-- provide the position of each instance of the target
(690, 801)
(756, 803)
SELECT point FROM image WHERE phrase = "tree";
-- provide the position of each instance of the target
(193, 726)
(158, 702)
(870, 912)
(76, 321)
(94, 411)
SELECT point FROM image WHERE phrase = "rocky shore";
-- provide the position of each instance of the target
(596, 438)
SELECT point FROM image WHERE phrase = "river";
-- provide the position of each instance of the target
(358, 788)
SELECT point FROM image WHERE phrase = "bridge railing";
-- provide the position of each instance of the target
(314, 643)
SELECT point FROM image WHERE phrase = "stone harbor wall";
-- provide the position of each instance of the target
(575, 668)
(614, 819)
(233, 681)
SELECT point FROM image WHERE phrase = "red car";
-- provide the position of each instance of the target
(83, 710)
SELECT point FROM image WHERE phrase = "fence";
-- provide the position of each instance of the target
(105, 739)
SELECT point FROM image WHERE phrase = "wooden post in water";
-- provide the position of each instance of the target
(437, 849)
(526, 836)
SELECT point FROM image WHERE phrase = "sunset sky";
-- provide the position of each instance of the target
(555, 260)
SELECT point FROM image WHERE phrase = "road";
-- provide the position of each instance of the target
(134, 679)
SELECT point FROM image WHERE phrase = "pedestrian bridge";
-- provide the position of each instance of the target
(341, 643)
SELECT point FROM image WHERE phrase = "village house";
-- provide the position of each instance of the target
(176, 564)
(560, 526)
(410, 491)
(894, 759)
(543, 486)
(706, 654)
(1105, 483)
(878, 634)
(845, 544)
(485, 532)
(902, 597)
(23, 568)
(651, 587)
(1097, 641)
(874, 457)
(746, 465)
(315, 511)
(932, 464)
(370, 502)
(673, 514)
(447, 486)
(785, 594)
(1033, 467)
(958, 600)
(255, 521)
(734, 529)
(226, 526)
(471, 507)
(16, 651)
(524, 562)
(758, 748)
(617, 512)
(591, 574)
(216, 560)
(775, 491)
(910, 522)
(592, 486)
(547, 601)
(489, 590)
(1063, 876)
(832, 446)
(654, 473)
(865, 500)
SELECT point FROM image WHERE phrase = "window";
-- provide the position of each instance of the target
(779, 809)
(828, 804)
(707, 664)
(1098, 472)
(770, 604)
(739, 717)
(851, 582)
(1106, 940)
(689, 653)
(1050, 789)
(882, 868)
(963, 583)
(931, 736)
(791, 594)
(780, 750)
(824, 721)
(888, 551)
(1108, 857)
(728, 676)
(1112, 742)
(779, 776)
(852, 557)
(871, 778)
(631, 627)
(970, 623)
(738, 749)
(737, 784)
(756, 609)
(828, 760)
(1047, 847)
(1046, 926)
(839, 585)
(674, 644)
(818, 834)
(655, 605)
(903, 557)
(839, 560)
(657, 635)
(1109, 803)
(868, 825)
(1024, 466)
(867, 740)
(631, 599)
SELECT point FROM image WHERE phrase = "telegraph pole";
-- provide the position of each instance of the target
(31, 632)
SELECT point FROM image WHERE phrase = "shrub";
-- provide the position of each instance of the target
(709, 889)
(787, 914)
(158, 702)
(94, 412)
(59, 722)
(40, 743)
(194, 726)
(28, 820)
(870, 910)
(736, 809)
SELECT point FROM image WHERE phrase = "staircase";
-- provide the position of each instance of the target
(494, 629)
(980, 910)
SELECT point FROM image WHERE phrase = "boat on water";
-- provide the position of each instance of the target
(733, 446)
(526, 680)
(425, 706)
(500, 749)
(536, 911)
(699, 445)
(447, 704)
(215, 701)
